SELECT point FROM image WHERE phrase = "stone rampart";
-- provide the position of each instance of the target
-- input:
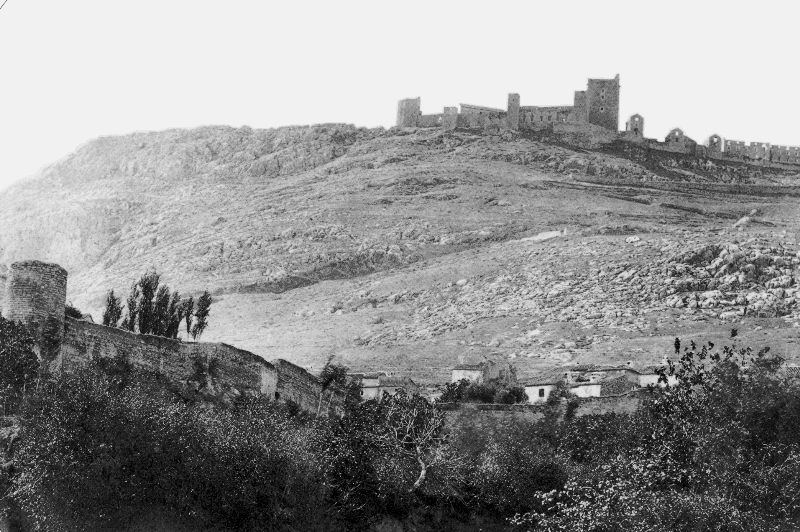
(224, 370)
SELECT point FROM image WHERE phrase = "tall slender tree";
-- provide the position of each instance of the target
(113, 311)
(201, 315)
(133, 309)
(175, 313)
(148, 285)
(188, 312)
(161, 315)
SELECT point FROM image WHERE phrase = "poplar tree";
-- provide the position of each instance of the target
(201, 315)
(113, 311)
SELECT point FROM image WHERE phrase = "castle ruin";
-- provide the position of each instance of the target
(594, 114)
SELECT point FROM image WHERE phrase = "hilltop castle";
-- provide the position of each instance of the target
(595, 115)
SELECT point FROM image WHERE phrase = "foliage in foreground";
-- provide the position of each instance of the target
(720, 450)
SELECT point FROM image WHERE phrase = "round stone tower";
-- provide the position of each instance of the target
(36, 293)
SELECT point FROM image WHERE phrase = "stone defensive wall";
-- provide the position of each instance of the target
(35, 292)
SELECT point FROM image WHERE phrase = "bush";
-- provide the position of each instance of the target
(19, 365)
(93, 454)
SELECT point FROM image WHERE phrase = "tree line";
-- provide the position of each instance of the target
(151, 308)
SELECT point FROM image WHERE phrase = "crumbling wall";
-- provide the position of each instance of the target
(758, 151)
(785, 154)
(634, 127)
(408, 112)
(676, 141)
(714, 145)
(735, 148)
(434, 120)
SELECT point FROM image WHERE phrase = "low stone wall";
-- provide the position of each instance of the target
(461, 418)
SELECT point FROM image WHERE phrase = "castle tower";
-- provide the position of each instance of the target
(513, 112)
(635, 126)
(36, 294)
(602, 101)
(408, 112)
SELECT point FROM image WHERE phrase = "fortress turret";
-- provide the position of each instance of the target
(36, 293)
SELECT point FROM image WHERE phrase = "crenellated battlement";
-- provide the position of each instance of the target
(595, 113)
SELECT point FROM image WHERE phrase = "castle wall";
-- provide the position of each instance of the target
(434, 120)
(296, 384)
(785, 154)
(735, 148)
(533, 117)
(36, 294)
(580, 111)
(236, 371)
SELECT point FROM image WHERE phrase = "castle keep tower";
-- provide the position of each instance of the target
(36, 293)
(602, 101)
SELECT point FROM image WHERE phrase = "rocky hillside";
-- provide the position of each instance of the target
(404, 250)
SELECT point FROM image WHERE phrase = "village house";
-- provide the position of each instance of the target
(590, 380)
(481, 372)
(374, 385)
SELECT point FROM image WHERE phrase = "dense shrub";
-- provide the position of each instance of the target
(465, 391)
(93, 454)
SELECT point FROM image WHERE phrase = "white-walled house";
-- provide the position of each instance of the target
(539, 389)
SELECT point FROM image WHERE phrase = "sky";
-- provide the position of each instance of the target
(71, 71)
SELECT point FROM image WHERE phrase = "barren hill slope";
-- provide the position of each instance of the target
(336, 239)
